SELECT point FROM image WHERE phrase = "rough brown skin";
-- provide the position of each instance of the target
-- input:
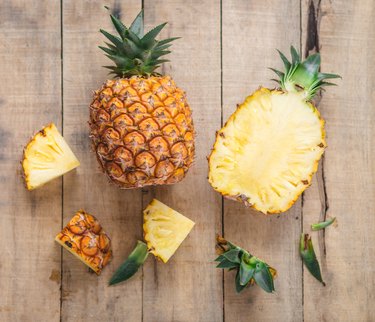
(142, 131)
(307, 182)
(84, 237)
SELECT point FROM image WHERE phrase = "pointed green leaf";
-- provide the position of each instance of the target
(107, 50)
(322, 76)
(120, 27)
(309, 258)
(239, 287)
(246, 273)
(279, 73)
(295, 55)
(152, 34)
(285, 60)
(323, 224)
(312, 64)
(115, 40)
(137, 257)
(166, 41)
(226, 264)
(137, 25)
(233, 255)
(263, 277)
(220, 258)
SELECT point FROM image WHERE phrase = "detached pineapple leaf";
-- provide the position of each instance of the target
(323, 224)
(263, 277)
(233, 255)
(239, 287)
(249, 269)
(246, 273)
(135, 260)
(309, 257)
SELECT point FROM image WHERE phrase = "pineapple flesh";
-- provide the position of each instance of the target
(164, 229)
(270, 147)
(141, 123)
(271, 165)
(47, 156)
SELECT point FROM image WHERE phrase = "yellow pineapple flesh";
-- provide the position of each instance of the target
(47, 156)
(164, 229)
(270, 166)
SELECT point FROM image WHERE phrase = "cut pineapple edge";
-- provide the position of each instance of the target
(47, 156)
(268, 151)
(164, 229)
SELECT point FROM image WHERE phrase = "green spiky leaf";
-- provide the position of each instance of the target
(135, 260)
(133, 52)
(323, 224)
(302, 75)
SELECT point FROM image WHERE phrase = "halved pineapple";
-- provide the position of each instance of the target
(270, 166)
(269, 149)
(46, 157)
(164, 229)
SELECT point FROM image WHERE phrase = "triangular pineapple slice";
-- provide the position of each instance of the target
(165, 229)
(46, 157)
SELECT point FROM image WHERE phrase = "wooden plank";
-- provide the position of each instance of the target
(84, 295)
(252, 30)
(30, 98)
(189, 287)
(346, 40)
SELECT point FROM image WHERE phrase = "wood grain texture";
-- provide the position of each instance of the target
(30, 98)
(346, 40)
(86, 296)
(189, 287)
(49, 69)
(251, 33)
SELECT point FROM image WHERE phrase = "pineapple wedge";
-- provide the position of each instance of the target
(85, 238)
(164, 229)
(46, 157)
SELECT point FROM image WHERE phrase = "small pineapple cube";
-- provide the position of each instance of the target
(85, 238)
(47, 156)
(164, 229)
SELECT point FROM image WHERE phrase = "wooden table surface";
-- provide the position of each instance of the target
(50, 64)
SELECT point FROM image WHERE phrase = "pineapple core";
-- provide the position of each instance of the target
(164, 229)
(46, 157)
(268, 150)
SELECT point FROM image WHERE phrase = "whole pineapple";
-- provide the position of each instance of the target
(141, 124)
(269, 149)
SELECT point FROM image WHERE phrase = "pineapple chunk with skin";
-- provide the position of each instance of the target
(47, 156)
(268, 150)
(164, 229)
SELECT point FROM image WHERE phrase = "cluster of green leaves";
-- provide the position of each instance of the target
(249, 269)
(303, 75)
(133, 52)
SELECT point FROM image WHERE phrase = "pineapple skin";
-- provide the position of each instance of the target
(85, 238)
(221, 134)
(142, 131)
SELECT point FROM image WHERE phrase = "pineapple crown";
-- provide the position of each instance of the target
(302, 75)
(249, 268)
(133, 52)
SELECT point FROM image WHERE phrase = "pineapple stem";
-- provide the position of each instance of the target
(302, 76)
